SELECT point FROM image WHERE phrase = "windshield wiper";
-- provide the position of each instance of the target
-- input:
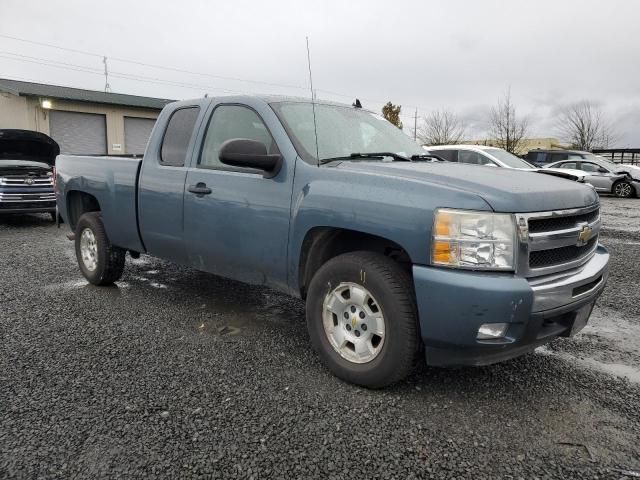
(372, 155)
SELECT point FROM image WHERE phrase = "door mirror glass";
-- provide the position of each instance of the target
(246, 153)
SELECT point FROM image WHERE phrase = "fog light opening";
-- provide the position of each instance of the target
(490, 331)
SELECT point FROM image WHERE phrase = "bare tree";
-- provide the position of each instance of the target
(507, 129)
(441, 127)
(583, 125)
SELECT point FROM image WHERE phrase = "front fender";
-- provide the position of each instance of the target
(395, 209)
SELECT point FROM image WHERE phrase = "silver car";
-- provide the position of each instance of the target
(606, 176)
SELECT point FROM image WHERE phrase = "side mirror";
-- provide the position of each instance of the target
(242, 152)
(602, 170)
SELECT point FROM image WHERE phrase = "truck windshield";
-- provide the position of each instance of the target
(341, 132)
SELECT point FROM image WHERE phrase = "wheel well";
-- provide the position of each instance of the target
(79, 203)
(324, 243)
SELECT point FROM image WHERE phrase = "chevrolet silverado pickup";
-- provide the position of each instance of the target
(26, 177)
(396, 256)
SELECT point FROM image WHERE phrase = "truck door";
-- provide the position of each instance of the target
(237, 221)
(161, 190)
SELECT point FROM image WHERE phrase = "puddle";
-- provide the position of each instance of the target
(72, 284)
(616, 369)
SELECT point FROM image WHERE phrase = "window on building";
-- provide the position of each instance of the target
(177, 136)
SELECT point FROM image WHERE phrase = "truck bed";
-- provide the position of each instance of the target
(112, 181)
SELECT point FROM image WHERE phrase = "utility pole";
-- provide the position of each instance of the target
(107, 87)
(415, 125)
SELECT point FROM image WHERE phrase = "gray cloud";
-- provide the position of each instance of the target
(457, 54)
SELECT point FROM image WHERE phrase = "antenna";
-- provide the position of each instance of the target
(313, 102)
(107, 87)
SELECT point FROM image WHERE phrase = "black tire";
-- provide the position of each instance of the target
(393, 289)
(53, 216)
(110, 259)
(623, 189)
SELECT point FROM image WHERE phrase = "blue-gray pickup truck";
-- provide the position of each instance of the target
(397, 256)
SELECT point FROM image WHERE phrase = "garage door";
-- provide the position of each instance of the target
(136, 134)
(79, 133)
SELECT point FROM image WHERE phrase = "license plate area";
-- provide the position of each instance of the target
(581, 318)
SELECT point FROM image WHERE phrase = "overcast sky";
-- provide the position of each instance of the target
(461, 55)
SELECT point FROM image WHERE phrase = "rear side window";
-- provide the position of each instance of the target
(589, 167)
(571, 165)
(556, 157)
(537, 157)
(177, 136)
(473, 158)
(448, 155)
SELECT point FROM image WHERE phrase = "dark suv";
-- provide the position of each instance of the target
(540, 158)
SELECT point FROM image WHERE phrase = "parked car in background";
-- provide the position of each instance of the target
(26, 172)
(495, 157)
(607, 177)
(396, 255)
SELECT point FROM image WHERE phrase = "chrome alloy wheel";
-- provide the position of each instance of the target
(623, 189)
(89, 249)
(353, 323)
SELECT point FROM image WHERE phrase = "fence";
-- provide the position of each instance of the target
(620, 155)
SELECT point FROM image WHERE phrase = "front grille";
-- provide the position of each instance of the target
(26, 181)
(556, 256)
(548, 224)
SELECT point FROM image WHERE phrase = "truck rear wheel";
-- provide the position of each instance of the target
(100, 262)
(361, 318)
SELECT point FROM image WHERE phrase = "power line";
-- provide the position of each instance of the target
(178, 70)
(151, 65)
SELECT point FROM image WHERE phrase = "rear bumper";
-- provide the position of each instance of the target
(452, 304)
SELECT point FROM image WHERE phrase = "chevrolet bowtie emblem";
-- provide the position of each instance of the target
(354, 321)
(584, 235)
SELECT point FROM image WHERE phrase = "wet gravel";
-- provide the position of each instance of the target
(176, 373)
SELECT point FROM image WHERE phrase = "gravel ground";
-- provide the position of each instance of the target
(176, 373)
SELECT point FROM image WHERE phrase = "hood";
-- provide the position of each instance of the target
(18, 146)
(632, 170)
(504, 189)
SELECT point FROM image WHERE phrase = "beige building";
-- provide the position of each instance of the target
(81, 121)
(527, 144)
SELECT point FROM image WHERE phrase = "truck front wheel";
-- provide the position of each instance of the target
(100, 262)
(361, 317)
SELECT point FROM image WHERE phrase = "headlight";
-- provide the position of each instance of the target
(470, 239)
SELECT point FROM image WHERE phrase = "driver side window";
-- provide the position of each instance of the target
(226, 123)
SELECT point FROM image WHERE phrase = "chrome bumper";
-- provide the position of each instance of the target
(571, 286)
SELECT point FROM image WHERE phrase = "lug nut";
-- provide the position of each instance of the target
(361, 314)
(346, 315)
(353, 309)
(348, 327)
(357, 333)
(363, 327)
